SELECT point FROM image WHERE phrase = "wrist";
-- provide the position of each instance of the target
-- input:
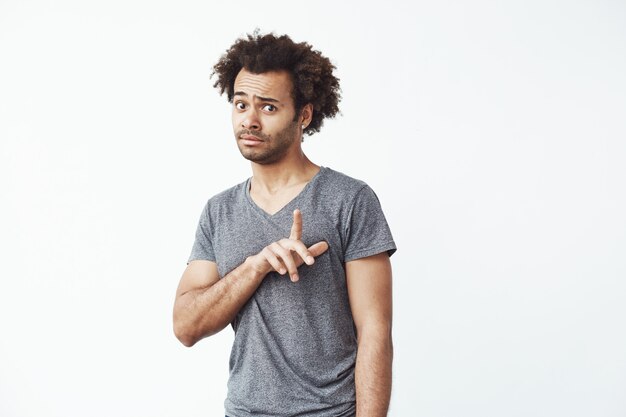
(257, 267)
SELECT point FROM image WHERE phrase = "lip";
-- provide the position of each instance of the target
(250, 138)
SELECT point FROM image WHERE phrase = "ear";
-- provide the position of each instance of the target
(306, 115)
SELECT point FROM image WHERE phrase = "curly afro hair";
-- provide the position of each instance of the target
(311, 73)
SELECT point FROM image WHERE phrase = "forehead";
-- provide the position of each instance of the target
(272, 84)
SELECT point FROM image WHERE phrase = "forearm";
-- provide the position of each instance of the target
(373, 374)
(202, 312)
(205, 304)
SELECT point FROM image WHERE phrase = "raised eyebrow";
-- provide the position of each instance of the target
(271, 100)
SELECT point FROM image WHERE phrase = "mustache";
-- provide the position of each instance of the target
(256, 133)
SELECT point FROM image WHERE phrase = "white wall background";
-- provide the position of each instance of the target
(494, 134)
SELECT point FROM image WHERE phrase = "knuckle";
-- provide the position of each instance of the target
(302, 246)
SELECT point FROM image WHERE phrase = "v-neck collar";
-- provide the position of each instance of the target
(289, 204)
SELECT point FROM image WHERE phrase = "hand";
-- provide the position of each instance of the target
(288, 254)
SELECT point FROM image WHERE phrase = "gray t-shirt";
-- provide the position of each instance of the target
(295, 343)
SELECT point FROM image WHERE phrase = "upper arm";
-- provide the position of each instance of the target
(198, 274)
(370, 292)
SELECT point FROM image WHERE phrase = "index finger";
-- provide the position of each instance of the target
(296, 227)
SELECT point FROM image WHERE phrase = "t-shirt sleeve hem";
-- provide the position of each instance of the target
(389, 247)
(199, 258)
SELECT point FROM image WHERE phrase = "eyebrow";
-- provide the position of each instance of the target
(272, 100)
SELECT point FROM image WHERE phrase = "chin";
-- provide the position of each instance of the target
(257, 158)
(262, 159)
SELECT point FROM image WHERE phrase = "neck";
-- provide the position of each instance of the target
(294, 168)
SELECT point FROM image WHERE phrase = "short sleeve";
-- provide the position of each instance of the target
(202, 246)
(367, 231)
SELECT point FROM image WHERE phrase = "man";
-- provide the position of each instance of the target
(296, 258)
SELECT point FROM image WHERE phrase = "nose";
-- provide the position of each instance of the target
(250, 120)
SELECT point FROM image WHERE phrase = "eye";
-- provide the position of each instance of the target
(240, 105)
(269, 108)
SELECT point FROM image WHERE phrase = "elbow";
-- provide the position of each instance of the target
(189, 334)
(379, 333)
(189, 329)
(184, 333)
(185, 337)
(186, 340)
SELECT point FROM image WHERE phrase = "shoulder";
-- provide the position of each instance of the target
(341, 183)
(364, 229)
(342, 193)
(227, 198)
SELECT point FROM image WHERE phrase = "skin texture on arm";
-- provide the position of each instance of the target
(205, 304)
(369, 290)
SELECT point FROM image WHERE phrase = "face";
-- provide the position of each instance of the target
(263, 116)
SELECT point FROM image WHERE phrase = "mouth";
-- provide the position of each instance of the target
(247, 137)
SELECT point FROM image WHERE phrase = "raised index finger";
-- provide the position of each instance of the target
(296, 227)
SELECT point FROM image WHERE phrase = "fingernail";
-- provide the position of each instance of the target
(282, 272)
(310, 260)
(294, 277)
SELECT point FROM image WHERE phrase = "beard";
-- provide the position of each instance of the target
(274, 148)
